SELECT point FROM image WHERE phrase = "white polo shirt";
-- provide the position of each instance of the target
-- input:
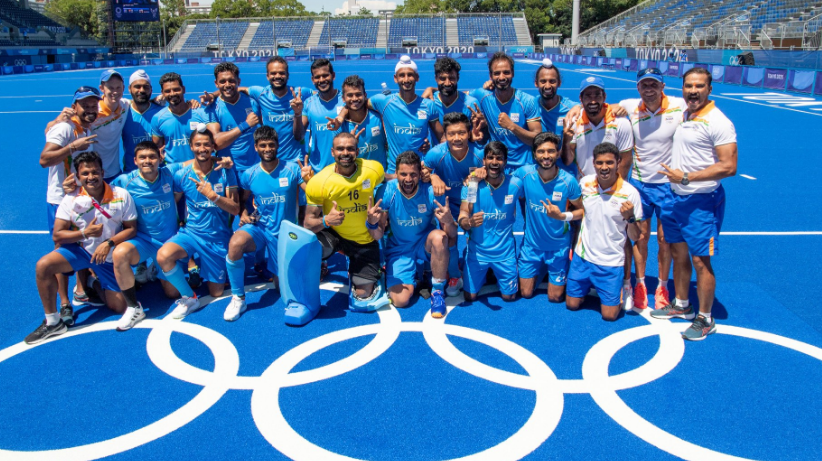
(695, 143)
(587, 136)
(109, 129)
(603, 232)
(62, 134)
(653, 136)
(79, 210)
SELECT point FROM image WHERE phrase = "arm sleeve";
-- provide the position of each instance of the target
(155, 126)
(625, 135)
(378, 102)
(178, 181)
(230, 178)
(529, 105)
(129, 210)
(477, 93)
(59, 134)
(313, 192)
(64, 209)
(255, 92)
(243, 180)
(723, 133)
(574, 191)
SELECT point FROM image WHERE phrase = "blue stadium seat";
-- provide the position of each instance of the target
(429, 31)
(205, 33)
(297, 31)
(356, 32)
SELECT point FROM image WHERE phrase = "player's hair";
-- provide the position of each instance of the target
(322, 62)
(698, 71)
(227, 67)
(553, 67)
(87, 157)
(279, 60)
(409, 157)
(446, 65)
(498, 56)
(343, 134)
(205, 132)
(606, 148)
(146, 145)
(453, 118)
(497, 148)
(542, 138)
(171, 77)
(266, 133)
(354, 81)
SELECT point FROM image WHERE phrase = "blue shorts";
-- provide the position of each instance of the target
(696, 219)
(263, 241)
(147, 248)
(607, 280)
(401, 263)
(51, 214)
(212, 255)
(531, 261)
(80, 259)
(301, 201)
(506, 272)
(656, 197)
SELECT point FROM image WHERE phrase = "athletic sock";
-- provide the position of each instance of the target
(682, 303)
(663, 283)
(52, 319)
(454, 262)
(131, 296)
(176, 277)
(640, 280)
(707, 316)
(236, 276)
(437, 284)
(626, 283)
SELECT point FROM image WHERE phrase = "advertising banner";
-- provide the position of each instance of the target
(775, 79)
(801, 81)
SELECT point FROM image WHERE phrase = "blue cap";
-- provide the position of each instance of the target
(650, 72)
(591, 81)
(108, 73)
(85, 92)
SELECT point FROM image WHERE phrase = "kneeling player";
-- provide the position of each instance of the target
(338, 198)
(488, 219)
(274, 184)
(210, 196)
(547, 240)
(88, 225)
(609, 217)
(412, 238)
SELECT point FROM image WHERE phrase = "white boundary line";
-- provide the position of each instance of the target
(775, 233)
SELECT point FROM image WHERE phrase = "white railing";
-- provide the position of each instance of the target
(811, 31)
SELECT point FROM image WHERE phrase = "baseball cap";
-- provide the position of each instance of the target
(108, 73)
(85, 92)
(650, 72)
(591, 81)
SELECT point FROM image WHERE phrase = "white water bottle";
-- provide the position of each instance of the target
(473, 185)
(385, 89)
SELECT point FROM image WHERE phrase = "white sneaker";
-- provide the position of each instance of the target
(454, 287)
(235, 309)
(627, 298)
(141, 273)
(130, 317)
(185, 306)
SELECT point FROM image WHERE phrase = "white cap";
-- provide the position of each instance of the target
(547, 63)
(139, 74)
(201, 127)
(405, 61)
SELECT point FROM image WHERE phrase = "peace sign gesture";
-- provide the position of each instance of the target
(478, 123)
(204, 188)
(333, 124)
(356, 133)
(552, 210)
(297, 102)
(443, 213)
(305, 169)
(673, 175)
(374, 211)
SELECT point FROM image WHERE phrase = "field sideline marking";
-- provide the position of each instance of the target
(38, 232)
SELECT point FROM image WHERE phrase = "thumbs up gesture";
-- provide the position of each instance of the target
(93, 229)
(334, 217)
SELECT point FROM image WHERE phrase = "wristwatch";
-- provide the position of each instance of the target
(110, 243)
(685, 181)
(632, 220)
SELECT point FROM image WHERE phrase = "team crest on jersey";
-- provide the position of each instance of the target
(422, 115)
(192, 125)
(422, 208)
(509, 199)
(557, 196)
(283, 182)
(375, 131)
(166, 188)
(366, 184)
(515, 118)
(339, 109)
(218, 188)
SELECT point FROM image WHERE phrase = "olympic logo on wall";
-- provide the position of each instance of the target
(539, 378)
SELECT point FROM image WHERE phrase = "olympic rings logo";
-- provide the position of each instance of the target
(20, 62)
(544, 418)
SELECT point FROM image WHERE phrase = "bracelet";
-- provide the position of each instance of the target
(372, 226)
(324, 223)
(243, 127)
(568, 216)
(217, 197)
(83, 233)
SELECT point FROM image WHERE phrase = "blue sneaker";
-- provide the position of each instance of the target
(700, 329)
(437, 304)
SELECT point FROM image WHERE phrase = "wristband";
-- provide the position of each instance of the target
(83, 233)
(216, 197)
(568, 216)
(243, 127)
(371, 226)
(324, 224)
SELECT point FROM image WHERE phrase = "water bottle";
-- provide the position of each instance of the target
(473, 185)
(385, 89)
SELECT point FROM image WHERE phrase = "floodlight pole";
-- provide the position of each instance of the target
(219, 45)
(575, 24)
(165, 42)
(274, 32)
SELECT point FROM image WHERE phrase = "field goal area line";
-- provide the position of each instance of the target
(38, 232)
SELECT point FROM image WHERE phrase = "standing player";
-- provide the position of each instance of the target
(273, 185)
(337, 211)
(489, 223)
(410, 210)
(315, 112)
(137, 127)
(512, 116)
(448, 98)
(553, 107)
(109, 124)
(547, 242)
(654, 117)
(88, 225)
(210, 196)
(172, 126)
(704, 153)
(363, 121)
(450, 163)
(609, 217)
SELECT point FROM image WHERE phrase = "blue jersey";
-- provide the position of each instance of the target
(521, 108)
(452, 171)
(372, 140)
(410, 219)
(552, 122)
(461, 104)
(493, 241)
(136, 130)
(175, 131)
(316, 109)
(154, 201)
(541, 231)
(406, 124)
(203, 217)
(229, 116)
(276, 113)
(275, 194)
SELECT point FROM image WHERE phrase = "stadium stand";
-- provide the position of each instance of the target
(498, 30)
(356, 32)
(205, 33)
(12, 13)
(295, 30)
(430, 31)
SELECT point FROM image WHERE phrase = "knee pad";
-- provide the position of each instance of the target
(378, 298)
